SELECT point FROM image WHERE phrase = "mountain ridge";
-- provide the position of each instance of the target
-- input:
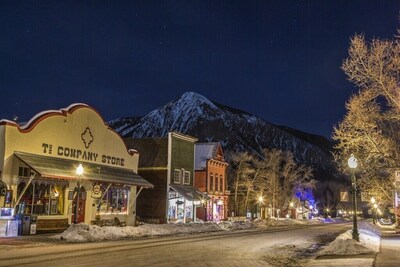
(237, 130)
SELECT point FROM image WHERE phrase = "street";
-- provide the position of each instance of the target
(283, 246)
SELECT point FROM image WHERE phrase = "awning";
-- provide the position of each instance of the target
(189, 192)
(52, 167)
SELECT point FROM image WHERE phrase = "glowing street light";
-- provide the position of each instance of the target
(352, 162)
(373, 200)
(79, 172)
(327, 210)
(260, 201)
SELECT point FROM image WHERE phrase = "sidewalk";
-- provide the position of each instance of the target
(389, 255)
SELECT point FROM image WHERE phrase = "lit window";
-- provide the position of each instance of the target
(115, 201)
(42, 199)
(177, 176)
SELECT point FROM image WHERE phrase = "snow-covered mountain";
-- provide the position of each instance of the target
(237, 130)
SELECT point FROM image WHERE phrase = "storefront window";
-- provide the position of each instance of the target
(42, 198)
(115, 201)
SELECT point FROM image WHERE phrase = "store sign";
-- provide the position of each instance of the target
(80, 154)
(75, 153)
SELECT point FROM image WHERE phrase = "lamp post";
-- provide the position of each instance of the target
(374, 207)
(375, 211)
(260, 201)
(352, 162)
(291, 208)
(79, 172)
(327, 212)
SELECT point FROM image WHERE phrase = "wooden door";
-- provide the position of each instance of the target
(81, 207)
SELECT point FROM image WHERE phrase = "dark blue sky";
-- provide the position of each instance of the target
(279, 60)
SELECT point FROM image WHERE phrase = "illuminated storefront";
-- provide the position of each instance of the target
(40, 162)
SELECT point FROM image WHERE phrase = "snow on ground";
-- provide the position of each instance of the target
(287, 221)
(88, 233)
(345, 245)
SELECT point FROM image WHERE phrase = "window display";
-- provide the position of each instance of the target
(115, 201)
(42, 198)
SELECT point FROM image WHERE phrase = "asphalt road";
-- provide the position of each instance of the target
(284, 246)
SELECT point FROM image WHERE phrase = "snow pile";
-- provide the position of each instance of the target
(236, 225)
(89, 233)
(287, 221)
(345, 245)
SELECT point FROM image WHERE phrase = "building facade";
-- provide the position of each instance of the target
(39, 163)
(210, 178)
(168, 163)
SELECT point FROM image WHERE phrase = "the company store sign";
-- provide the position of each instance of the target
(78, 154)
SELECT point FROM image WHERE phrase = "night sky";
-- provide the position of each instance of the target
(279, 60)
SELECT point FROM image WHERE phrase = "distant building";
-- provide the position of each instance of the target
(210, 178)
(168, 163)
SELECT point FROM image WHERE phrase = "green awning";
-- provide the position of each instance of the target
(189, 192)
(52, 167)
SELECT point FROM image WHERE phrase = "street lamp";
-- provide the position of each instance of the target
(79, 172)
(352, 162)
(260, 201)
(327, 212)
(291, 210)
(374, 207)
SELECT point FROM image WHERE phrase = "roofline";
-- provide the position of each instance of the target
(184, 137)
(41, 116)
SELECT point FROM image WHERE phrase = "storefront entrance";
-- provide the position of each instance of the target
(81, 206)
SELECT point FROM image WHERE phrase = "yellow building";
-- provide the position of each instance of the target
(44, 163)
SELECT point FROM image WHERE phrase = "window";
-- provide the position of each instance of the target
(24, 172)
(41, 198)
(115, 201)
(221, 183)
(177, 176)
(216, 183)
(186, 178)
(211, 181)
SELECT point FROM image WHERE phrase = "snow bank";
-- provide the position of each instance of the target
(89, 233)
(345, 245)
(236, 225)
(288, 221)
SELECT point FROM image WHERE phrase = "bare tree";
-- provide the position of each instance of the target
(280, 178)
(372, 123)
(241, 166)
